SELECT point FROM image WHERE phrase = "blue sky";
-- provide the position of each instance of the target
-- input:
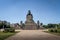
(46, 11)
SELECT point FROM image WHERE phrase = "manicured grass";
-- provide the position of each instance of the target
(4, 35)
(53, 33)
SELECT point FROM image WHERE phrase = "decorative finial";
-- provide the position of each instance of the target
(29, 12)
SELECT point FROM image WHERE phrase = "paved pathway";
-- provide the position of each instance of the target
(33, 35)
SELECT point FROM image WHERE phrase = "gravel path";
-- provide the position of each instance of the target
(33, 35)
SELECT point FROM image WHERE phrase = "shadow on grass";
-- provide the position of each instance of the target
(54, 33)
(4, 35)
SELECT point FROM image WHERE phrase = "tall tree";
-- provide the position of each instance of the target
(38, 24)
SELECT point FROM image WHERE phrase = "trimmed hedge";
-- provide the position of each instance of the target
(9, 30)
(58, 30)
(50, 30)
(54, 30)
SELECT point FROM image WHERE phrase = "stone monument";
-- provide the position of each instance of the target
(30, 23)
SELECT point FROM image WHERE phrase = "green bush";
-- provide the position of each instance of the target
(50, 30)
(55, 30)
(58, 30)
(58, 27)
(9, 30)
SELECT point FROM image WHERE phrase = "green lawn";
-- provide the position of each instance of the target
(4, 35)
(53, 33)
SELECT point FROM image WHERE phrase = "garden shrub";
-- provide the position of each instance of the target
(50, 30)
(58, 30)
(9, 30)
(55, 30)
